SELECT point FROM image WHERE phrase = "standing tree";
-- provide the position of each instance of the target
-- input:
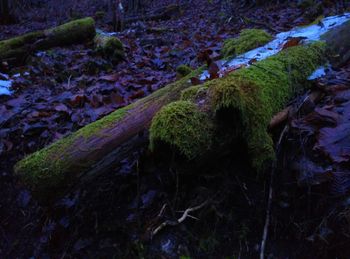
(4, 11)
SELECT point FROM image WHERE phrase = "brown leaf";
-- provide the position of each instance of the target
(214, 70)
(195, 81)
(292, 42)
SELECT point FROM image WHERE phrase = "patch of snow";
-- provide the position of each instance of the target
(309, 33)
(319, 72)
(5, 86)
(99, 31)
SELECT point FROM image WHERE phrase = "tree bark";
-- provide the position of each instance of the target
(17, 49)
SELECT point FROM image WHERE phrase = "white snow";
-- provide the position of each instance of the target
(5, 86)
(310, 33)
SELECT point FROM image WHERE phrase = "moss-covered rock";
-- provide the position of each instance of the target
(110, 47)
(182, 126)
(183, 70)
(248, 39)
(256, 93)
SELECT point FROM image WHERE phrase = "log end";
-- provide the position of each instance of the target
(182, 127)
(248, 39)
(338, 42)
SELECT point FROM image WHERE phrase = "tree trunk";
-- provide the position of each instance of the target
(239, 105)
(5, 16)
(17, 49)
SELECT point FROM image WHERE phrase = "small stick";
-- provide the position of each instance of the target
(180, 220)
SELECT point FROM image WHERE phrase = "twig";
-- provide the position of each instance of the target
(180, 220)
(269, 202)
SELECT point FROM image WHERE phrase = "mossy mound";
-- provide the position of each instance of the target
(248, 39)
(110, 47)
(182, 126)
(183, 70)
(256, 93)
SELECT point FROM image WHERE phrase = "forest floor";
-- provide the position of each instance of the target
(58, 91)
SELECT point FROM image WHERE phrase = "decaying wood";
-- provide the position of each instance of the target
(98, 147)
(18, 48)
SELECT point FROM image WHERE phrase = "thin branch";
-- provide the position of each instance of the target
(180, 220)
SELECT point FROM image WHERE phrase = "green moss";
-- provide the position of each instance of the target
(68, 33)
(71, 32)
(52, 167)
(183, 127)
(248, 39)
(16, 46)
(256, 93)
(194, 92)
(47, 167)
(183, 70)
(110, 47)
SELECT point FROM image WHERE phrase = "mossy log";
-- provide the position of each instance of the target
(18, 48)
(247, 99)
(97, 147)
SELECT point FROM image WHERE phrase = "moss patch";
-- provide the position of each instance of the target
(16, 46)
(182, 126)
(110, 47)
(183, 70)
(71, 32)
(248, 39)
(256, 93)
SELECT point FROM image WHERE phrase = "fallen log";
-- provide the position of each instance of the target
(18, 48)
(96, 147)
(247, 99)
